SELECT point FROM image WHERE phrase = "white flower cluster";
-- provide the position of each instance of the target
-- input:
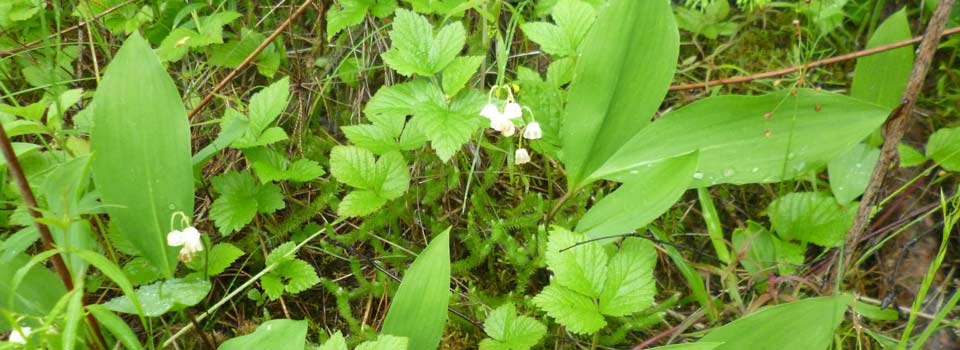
(20, 337)
(189, 239)
(502, 122)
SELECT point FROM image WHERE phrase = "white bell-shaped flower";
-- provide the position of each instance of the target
(18, 337)
(508, 129)
(490, 111)
(502, 121)
(521, 156)
(532, 131)
(175, 238)
(189, 238)
(512, 110)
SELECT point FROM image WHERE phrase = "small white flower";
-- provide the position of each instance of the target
(508, 129)
(502, 121)
(490, 111)
(189, 238)
(18, 338)
(532, 131)
(521, 156)
(512, 110)
(175, 238)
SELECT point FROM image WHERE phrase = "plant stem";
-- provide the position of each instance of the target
(893, 130)
(16, 171)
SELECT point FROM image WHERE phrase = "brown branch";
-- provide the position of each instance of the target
(16, 171)
(894, 128)
(246, 62)
(806, 66)
(34, 43)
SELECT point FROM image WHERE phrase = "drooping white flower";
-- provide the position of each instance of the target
(19, 338)
(189, 238)
(490, 111)
(502, 121)
(175, 238)
(512, 110)
(508, 129)
(532, 131)
(521, 156)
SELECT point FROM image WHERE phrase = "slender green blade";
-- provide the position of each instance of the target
(785, 136)
(625, 68)
(274, 335)
(141, 145)
(644, 196)
(778, 327)
(419, 309)
(881, 78)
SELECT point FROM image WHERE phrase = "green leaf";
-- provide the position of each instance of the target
(360, 203)
(587, 283)
(449, 127)
(909, 156)
(377, 181)
(660, 186)
(850, 172)
(267, 104)
(241, 197)
(232, 54)
(385, 342)
(116, 325)
(630, 286)
(217, 260)
(36, 294)
(944, 148)
(812, 217)
(141, 144)
(336, 342)
(612, 97)
(354, 166)
(459, 72)
(416, 50)
(777, 327)
(786, 136)
(689, 346)
(160, 297)
(274, 335)
(508, 331)
(271, 166)
(574, 310)
(348, 14)
(372, 137)
(758, 249)
(573, 21)
(282, 253)
(419, 308)
(292, 276)
(881, 78)
(140, 271)
(582, 268)
(549, 37)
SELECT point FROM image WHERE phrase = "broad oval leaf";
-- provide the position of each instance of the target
(35, 294)
(850, 172)
(944, 148)
(752, 139)
(811, 217)
(881, 78)
(274, 335)
(777, 327)
(419, 309)
(627, 63)
(141, 151)
(160, 297)
(644, 196)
